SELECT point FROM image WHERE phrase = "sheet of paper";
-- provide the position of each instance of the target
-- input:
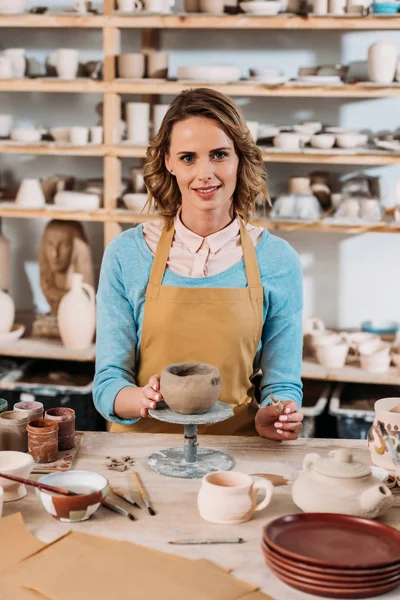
(17, 542)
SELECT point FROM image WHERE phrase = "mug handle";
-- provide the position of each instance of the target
(269, 490)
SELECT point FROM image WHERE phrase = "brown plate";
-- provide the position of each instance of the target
(333, 540)
(348, 594)
(301, 569)
(348, 585)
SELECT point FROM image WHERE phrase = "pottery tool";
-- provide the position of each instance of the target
(143, 493)
(40, 486)
(118, 509)
(124, 497)
(277, 403)
(390, 447)
(206, 542)
(276, 480)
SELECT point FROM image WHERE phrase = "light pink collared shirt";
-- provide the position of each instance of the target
(191, 255)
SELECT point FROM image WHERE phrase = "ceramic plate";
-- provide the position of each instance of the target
(334, 540)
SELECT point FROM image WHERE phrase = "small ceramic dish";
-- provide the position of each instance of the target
(323, 141)
(19, 464)
(17, 331)
(76, 200)
(260, 7)
(381, 327)
(135, 202)
(92, 487)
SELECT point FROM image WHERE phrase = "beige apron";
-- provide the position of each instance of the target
(220, 326)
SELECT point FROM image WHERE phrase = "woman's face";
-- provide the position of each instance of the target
(203, 159)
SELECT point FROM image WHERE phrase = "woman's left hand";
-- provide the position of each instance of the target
(274, 426)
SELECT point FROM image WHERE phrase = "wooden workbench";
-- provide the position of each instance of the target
(175, 501)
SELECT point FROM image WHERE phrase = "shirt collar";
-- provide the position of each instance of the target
(216, 241)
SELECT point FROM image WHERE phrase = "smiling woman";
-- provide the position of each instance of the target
(201, 284)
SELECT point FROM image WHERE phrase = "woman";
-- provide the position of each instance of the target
(201, 284)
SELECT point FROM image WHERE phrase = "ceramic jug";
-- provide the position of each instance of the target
(77, 315)
(338, 484)
(7, 312)
(231, 497)
(30, 194)
(5, 262)
(382, 62)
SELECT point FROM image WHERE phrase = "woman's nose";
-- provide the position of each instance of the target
(205, 170)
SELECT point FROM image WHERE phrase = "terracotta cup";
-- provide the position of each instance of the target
(131, 65)
(65, 418)
(231, 497)
(13, 435)
(34, 409)
(157, 65)
(43, 440)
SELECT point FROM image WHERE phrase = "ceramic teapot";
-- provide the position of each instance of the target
(339, 484)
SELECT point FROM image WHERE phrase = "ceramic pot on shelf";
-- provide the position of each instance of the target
(382, 62)
(67, 63)
(77, 315)
(18, 61)
(5, 263)
(7, 312)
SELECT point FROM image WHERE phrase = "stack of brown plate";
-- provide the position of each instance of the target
(332, 555)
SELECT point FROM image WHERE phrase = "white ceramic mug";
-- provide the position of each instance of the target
(138, 122)
(30, 194)
(131, 65)
(157, 65)
(129, 5)
(67, 63)
(157, 6)
(79, 136)
(230, 497)
(96, 135)
(18, 61)
(332, 355)
(320, 7)
(337, 7)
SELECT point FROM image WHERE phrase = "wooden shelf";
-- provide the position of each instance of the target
(52, 84)
(242, 21)
(98, 216)
(355, 90)
(53, 21)
(351, 373)
(51, 149)
(46, 348)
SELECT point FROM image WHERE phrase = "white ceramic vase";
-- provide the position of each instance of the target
(18, 61)
(382, 62)
(7, 312)
(30, 194)
(5, 263)
(77, 315)
(67, 63)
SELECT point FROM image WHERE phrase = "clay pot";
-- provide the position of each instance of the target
(7, 312)
(65, 417)
(190, 388)
(13, 435)
(43, 440)
(131, 65)
(33, 408)
(157, 64)
(77, 315)
(67, 63)
(382, 62)
(231, 498)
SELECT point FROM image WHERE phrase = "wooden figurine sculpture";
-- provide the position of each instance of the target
(64, 251)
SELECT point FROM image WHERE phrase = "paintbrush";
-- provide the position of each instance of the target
(216, 541)
(124, 496)
(40, 486)
(390, 447)
(277, 403)
(118, 509)
(143, 493)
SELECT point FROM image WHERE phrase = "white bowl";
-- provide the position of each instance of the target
(287, 141)
(212, 73)
(323, 141)
(77, 200)
(332, 356)
(375, 363)
(26, 134)
(91, 486)
(19, 464)
(135, 202)
(60, 134)
(348, 140)
(6, 339)
(311, 127)
(261, 7)
(266, 131)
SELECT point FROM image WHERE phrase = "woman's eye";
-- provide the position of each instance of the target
(187, 158)
(220, 155)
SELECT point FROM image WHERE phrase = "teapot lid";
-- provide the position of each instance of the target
(341, 464)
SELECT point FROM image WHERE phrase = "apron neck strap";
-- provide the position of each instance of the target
(164, 246)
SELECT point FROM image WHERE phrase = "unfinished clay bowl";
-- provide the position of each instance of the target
(190, 388)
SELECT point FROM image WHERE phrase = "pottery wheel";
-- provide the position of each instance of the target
(191, 462)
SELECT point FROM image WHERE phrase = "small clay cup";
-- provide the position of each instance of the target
(35, 409)
(190, 388)
(65, 418)
(13, 435)
(43, 440)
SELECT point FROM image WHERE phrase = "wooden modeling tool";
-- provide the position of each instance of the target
(40, 486)
(390, 446)
(118, 509)
(216, 541)
(124, 496)
(277, 403)
(143, 493)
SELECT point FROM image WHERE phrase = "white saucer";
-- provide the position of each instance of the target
(6, 339)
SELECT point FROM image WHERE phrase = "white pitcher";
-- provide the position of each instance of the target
(382, 62)
(77, 315)
(7, 312)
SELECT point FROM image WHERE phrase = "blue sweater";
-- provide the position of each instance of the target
(120, 304)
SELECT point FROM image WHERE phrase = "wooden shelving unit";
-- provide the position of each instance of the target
(46, 348)
(113, 151)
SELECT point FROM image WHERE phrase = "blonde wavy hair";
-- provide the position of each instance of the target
(251, 178)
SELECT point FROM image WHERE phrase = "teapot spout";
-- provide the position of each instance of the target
(376, 500)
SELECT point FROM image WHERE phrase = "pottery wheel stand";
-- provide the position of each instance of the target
(191, 462)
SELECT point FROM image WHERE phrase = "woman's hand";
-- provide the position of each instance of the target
(150, 395)
(274, 426)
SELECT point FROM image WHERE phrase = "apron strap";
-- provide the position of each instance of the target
(250, 258)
